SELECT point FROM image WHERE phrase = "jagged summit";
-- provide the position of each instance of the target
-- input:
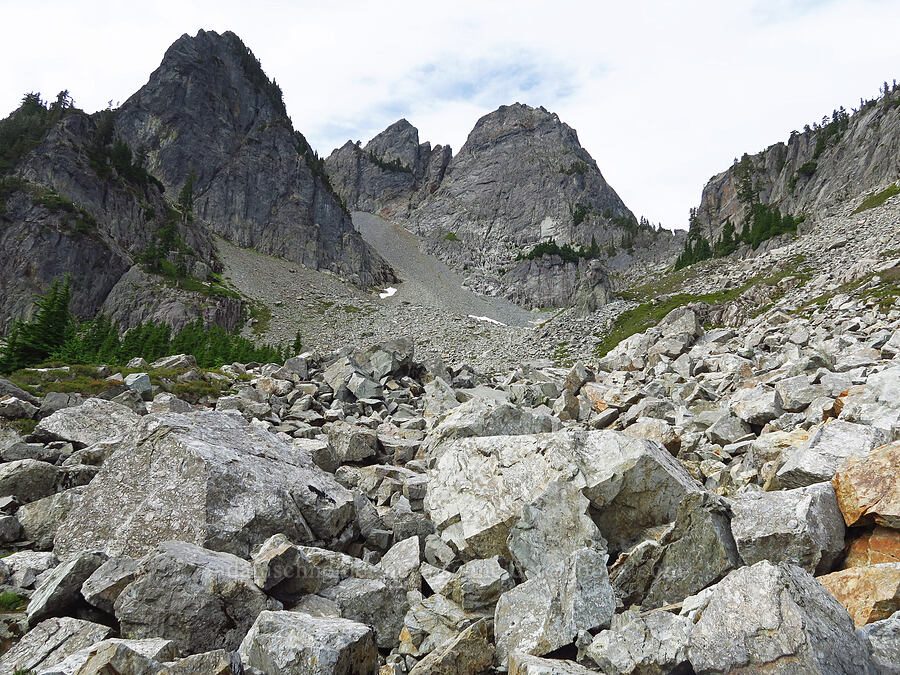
(210, 111)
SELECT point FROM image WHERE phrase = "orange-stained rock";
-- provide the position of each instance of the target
(594, 393)
(881, 545)
(868, 593)
(868, 487)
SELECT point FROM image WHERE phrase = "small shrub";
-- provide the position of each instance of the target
(12, 602)
(451, 236)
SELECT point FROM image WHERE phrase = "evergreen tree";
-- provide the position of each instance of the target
(31, 342)
(186, 197)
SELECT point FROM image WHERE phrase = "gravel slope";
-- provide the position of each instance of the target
(426, 280)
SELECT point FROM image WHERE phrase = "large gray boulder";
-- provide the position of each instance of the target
(28, 480)
(478, 584)
(40, 520)
(115, 655)
(642, 645)
(774, 618)
(50, 642)
(803, 526)
(200, 599)
(551, 528)
(479, 487)
(221, 483)
(548, 611)
(62, 586)
(697, 551)
(486, 417)
(817, 460)
(883, 640)
(294, 643)
(93, 421)
(354, 589)
(108, 581)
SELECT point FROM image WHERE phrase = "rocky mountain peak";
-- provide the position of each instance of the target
(518, 118)
(209, 113)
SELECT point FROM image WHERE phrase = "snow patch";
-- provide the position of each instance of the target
(388, 292)
(487, 319)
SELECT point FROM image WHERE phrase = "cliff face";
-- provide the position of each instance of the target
(209, 111)
(816, 170)
(520, 179)
(69, 211)
(392, 174)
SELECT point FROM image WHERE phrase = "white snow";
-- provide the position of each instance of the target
(388, 292)
(487, 319)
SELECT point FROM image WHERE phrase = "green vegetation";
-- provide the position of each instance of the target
(186, 198)
(872, 201)
(451, 236)
(262, 316)
(579, 213)
(55, 334)
(807, 169)
(394, 165)
(108, 152)
(831, 131)
(566, 251)
(696, 248)
(28, 125)
(577, 167)
(254, 73)
(297, 347)
(316, 164)
(651, 312)
(12, 602)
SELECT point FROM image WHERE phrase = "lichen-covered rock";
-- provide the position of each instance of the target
(106, 583)
(222, 483)
(50, 642)
(479, 487)
(283, 570)
(93, 421)
(469, 654)
(294, 643)
(645, 645)
(547, 612)
(553, 526)
(801, 526)
(62, 586)
(41, 519)
(818, 459)
(478, 584)
(200, 599)
(762, 617)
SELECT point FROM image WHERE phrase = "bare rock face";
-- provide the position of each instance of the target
(814, 170)
(67, 215)
(209, 109)
(550, 281)
(868, 488)
(391, 174)
(209, 478)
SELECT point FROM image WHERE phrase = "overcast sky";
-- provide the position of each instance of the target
(663, 94)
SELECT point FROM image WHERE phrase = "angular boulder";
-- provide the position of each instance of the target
(769, 618)
(294, 643)
(817, 460)
(221, 483)
(200, 599)
(93, 421)
(61, 587)
(50, 642)
(547, 612)
(868, 487)
(802, 526)
(869, 593)
(553, 526)
(479, 487)
(656, 643)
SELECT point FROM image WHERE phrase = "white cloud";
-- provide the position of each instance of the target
(663, 94)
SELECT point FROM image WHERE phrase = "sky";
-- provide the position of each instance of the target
(663, 94)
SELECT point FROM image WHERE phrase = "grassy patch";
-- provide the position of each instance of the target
(12, 602)
(451, 236)
(263, 316)
(872, 201)
(651, 312)
(24, 427)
